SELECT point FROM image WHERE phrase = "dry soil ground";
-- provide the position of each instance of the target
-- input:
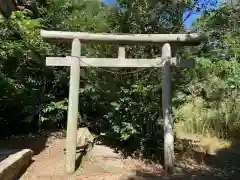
(105, 164)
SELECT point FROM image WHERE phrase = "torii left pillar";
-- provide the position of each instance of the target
(72, 119)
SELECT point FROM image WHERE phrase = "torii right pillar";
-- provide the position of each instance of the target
(169, 158)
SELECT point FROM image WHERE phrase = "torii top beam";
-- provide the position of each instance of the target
(84, 37)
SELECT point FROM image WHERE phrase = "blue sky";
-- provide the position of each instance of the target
(188, 22)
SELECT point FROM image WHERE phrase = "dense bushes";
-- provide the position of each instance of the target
(213, 105)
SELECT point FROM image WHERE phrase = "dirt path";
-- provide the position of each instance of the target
(105, 164)
(48, 164)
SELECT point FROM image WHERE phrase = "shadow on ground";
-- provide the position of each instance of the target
(35, 142)
(187, 174)
(24, 168)
(224, 165)
(153, 152)
(195, 165)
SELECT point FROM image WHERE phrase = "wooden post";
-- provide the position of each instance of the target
(72, 119)
(167, 110)
(120, 62)
(123, 39)
(121, 53)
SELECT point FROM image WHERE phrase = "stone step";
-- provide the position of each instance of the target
(11, 167)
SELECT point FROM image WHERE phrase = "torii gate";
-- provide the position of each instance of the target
(75, 61)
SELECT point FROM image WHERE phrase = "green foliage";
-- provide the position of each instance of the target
(134, 117)
(53, 115)
(214, 102)
(22, 69)
(125, 103)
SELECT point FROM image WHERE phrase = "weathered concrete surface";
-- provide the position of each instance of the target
(11, 166)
